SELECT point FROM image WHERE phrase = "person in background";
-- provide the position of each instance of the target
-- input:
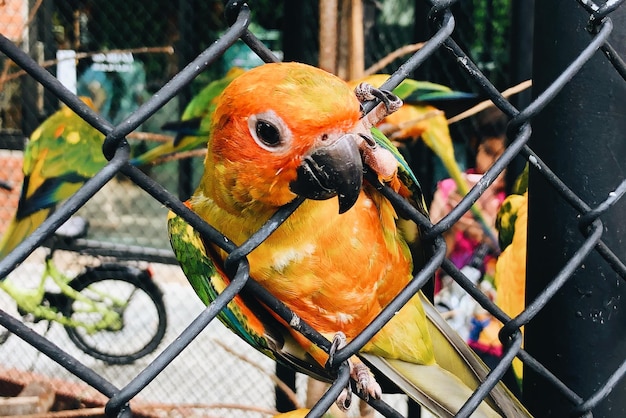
(470, 249)
(466, 236)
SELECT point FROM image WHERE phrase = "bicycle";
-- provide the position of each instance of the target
(113, 312)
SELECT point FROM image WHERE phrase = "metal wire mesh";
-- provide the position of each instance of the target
(442, 20)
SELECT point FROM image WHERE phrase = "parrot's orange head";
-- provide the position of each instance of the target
(282, 130)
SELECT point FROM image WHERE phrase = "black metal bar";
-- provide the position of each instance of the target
(294, 38)
(584, 320)
(522, 24)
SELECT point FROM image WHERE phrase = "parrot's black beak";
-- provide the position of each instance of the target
(331, 170)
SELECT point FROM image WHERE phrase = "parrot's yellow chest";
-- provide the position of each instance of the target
(335, 271)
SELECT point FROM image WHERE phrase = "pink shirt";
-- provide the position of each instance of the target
(464, 246)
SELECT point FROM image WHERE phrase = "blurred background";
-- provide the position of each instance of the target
(125, 51)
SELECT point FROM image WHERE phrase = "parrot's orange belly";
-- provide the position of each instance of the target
(339, 273)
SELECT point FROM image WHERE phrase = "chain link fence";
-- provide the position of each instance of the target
(573, 318)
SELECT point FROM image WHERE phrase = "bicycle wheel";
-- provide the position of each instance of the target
(139, 326)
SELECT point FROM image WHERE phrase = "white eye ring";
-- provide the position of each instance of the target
(269, 131)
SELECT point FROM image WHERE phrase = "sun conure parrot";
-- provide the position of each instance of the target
(510, 276)
(285, 130)
(193, 128)
(62, 153)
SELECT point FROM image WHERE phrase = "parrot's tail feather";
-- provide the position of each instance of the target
(431, 386)
(463, 362)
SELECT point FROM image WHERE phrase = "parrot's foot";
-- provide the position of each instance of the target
(390, 103)
(366, 92)
(344, 400)
(381, 160)
(365, 382)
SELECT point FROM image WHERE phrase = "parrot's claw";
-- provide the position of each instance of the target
(366, 92)
(339, 341)
(389, 104)
(344, 400)
(379, 159)
(365, 382)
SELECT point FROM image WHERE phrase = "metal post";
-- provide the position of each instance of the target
(580, 335)
(522, 12)
(522, 24)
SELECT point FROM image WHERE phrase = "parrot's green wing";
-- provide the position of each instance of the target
(414, 92)
(62, 153)
(405, 174)
(192, 131)
(412, 191)
(250, 320)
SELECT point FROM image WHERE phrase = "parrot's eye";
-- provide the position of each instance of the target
(269, 131)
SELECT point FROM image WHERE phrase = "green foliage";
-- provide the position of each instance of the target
(490, 46)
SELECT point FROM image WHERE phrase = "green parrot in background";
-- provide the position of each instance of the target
(62, 153)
